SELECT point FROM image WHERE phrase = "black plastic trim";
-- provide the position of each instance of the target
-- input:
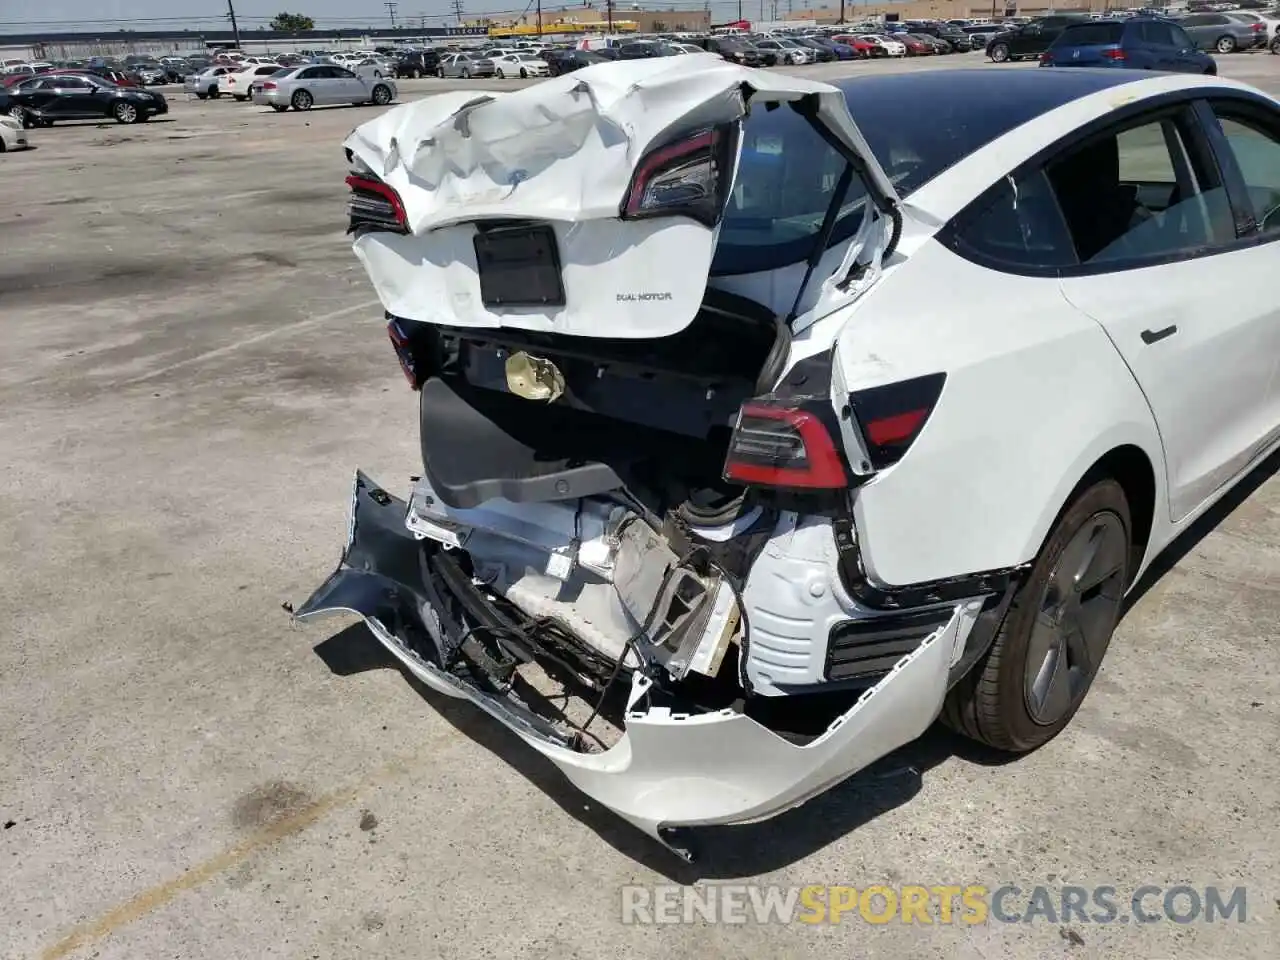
(858, 649)
(885, 597)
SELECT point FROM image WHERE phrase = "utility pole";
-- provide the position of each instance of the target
(842, 11)
(608, 4)
(457, 10)
(391, 11)
(539, 19)
(235, 30)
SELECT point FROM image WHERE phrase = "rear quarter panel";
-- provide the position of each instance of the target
(1035, 395)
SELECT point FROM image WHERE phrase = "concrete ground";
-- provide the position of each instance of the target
(192, 364)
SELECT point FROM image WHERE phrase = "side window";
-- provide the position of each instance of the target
(1178, 37)
(1017, 224)
(1160, 34)
(1195, 21)
(1257, 153)
(340, 74)
(1135, 194)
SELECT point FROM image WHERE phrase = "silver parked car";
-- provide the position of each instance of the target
(466, 66)
(317, 84)
(1223, 34)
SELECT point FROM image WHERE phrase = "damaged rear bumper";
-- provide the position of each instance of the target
(670, 769)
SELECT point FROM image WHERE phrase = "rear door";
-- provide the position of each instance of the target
(1160, 269)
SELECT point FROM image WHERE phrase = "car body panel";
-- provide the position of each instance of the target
(1138, 43)
(1206, 29)
(327, 84)
(563, 152)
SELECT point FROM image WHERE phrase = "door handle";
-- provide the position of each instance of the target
(1151, 336)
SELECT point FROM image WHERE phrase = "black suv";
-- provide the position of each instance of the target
(731, 49)
(418, 63)
(957, 38)
(1029, 40)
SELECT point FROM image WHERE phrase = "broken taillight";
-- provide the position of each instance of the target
(892, 416)
(689, 177)
(374, 206)
(404, 351)
(783, 446)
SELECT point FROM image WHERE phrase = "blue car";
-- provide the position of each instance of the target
(1138, 43)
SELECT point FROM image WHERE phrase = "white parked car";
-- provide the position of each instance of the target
(520, 65)
(893, 48)
(773, 436)
(238, 84)
(13, 136)
(209, 82)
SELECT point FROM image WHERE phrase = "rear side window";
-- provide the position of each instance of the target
(1257, 153)
(1090, 34)
(1138, 194)
(1017, 224)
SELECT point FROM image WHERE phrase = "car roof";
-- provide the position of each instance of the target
(1006, 99)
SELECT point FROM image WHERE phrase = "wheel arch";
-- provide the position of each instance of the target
(1130, 466)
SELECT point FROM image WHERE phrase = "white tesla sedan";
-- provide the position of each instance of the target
(773, 419)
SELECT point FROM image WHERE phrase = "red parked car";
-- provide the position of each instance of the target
(915, 48)
(861, 48)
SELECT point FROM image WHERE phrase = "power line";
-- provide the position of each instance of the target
(457, 11)
(231, 15)
(391, 10)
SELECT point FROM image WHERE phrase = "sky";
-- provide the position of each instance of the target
(54, 16)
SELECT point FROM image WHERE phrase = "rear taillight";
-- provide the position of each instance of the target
(374, 206)
(687, 178)
(783, 446)
(269, 85)
(1046, 57)
(891, 417)
(1113, 53)
(1258, 27)
(404, 352)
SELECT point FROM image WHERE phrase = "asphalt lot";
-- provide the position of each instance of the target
(193, 364)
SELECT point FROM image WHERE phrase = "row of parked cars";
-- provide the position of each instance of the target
(1220, 32)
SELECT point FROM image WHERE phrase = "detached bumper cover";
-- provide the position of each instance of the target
(669, 769)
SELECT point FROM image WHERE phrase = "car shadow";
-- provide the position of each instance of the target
(1187, 541)
(727, 852)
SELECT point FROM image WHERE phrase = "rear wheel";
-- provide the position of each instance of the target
(500, 74)
(1056, 631)
(214, 92)
(524, 74)
(1225, 45)
(1000, 52)
(301, 100)
(465, 74)
(1275, 45)
(21, 115)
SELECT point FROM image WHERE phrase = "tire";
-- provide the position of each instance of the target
(500, 75)
(301, 100)
(214, 92)
(21, 115)
(240, 99)
(524, 74)
(202, 96)
(279, 108)
(1007, 700)
(126, 112)
(999, 53)
(1225, 45)
(1275, 45)
(1211, 70)
(415, 74)
(381, 95)
(440, 72)
(464, 74)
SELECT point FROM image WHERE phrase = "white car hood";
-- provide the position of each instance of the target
(563, 152)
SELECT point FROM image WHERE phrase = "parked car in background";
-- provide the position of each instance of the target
(207, 84)
(938, 45)
(417, 63)
(645, 49)
(981, 34)
(321, 84)
(916, 47)
(886, 45)
(521, 65)
(149, 74)
(956, 39)
(13, 135)
(566, 61)
(1030, 39)
(55, 97)
(116, 75)
(819, 52)
(1222, 33)
(238, 83)
(1269, 22)
(861, 46)
(1137, 43)
(734, 49)
(464, 66)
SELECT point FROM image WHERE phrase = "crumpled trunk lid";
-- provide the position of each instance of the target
(563, 154)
